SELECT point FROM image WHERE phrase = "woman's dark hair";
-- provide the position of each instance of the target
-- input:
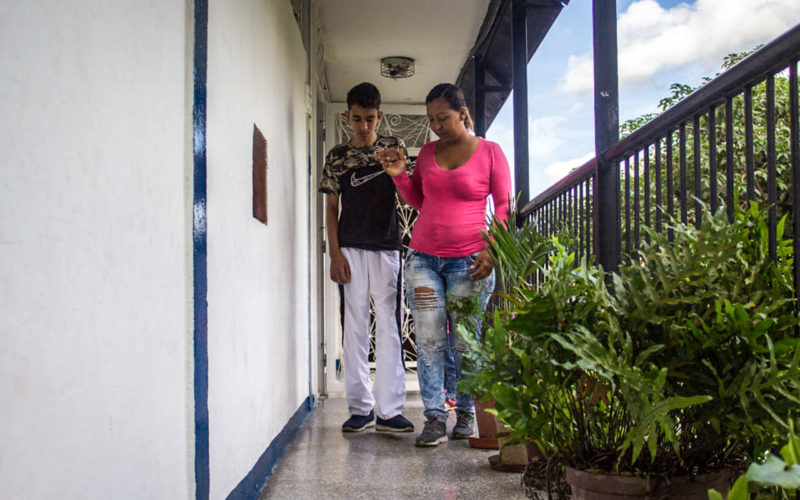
(454, 97)
(365, 95)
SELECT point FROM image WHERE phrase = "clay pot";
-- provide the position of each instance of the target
(513, 458)
(487, 427)
(594, 486)
(515, 454)
(533, 452)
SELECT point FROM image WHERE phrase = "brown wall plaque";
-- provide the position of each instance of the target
(259, 175)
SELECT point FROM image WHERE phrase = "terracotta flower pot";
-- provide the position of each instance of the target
(595, 486)
(487, 427)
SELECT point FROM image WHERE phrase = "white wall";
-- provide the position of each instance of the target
(95, 318)
(258, 275)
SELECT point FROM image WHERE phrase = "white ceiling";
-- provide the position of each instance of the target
(437, 34)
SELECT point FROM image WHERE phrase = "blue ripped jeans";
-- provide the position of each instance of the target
(430, 280)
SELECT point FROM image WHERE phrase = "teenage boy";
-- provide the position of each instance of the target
(364, 245)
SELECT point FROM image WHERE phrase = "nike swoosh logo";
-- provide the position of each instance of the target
(357, 181)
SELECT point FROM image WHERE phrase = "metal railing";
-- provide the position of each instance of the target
(728, 142)
(568, 207)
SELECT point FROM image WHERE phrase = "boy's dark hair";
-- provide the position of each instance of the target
(365, 95)
(454, 96)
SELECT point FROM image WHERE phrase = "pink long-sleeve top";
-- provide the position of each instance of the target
(452, 203)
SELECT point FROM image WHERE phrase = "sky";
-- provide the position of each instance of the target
(660, 42)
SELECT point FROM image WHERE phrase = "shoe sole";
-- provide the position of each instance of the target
(430, 444)
(357, 429)
(461, 436)
(386, 428)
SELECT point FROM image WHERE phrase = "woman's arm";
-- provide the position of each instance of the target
(500, 183)
(500, 189)
(410, 188)
(393, 162)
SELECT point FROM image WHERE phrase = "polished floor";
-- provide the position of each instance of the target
(324, 463)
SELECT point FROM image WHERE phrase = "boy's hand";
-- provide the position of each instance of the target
(392, 160)
(483, 265)
(340, 269)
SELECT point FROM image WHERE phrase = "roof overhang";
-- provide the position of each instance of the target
(438, 35)
(493, 50)
(444, 38)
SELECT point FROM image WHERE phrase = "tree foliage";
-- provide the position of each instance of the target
(653, 194)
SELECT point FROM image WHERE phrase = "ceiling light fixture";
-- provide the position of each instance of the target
(397, 67)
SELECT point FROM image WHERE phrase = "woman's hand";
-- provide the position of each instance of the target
(392, 160)
(483, 265)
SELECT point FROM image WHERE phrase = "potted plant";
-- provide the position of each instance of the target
(776, 478)
(675, 375)
(522, 368)
(519, 251)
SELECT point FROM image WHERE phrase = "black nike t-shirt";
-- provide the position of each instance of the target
(368, 217)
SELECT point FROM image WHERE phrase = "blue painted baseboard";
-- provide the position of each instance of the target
(200, 252)
(250, 487)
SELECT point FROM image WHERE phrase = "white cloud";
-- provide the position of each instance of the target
(543, 133)
(545, 144)
(503, 135)
(652, 39)
(544, 137)
(579, 76)
(557, 170)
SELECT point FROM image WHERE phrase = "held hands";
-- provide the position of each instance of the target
(340, 269)
(392, 160)
(483, 265)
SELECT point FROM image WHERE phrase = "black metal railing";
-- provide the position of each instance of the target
(733, 140)
(567, 208)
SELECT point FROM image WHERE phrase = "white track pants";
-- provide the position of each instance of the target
(375, 273)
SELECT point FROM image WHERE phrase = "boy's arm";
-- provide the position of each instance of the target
(340, 269)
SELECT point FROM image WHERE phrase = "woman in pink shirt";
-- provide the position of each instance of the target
(450, 187)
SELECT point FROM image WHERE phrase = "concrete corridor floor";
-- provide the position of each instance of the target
(324, 463)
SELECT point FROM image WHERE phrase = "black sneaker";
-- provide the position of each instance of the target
(434, 432)
(463, 428)
(357, 423)
(398, 423)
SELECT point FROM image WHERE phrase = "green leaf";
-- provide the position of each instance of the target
(791, 451)
(652, 445)
(739, 490)
(774, 472)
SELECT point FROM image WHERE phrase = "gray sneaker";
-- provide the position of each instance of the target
(433, 433)
(463, 428)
